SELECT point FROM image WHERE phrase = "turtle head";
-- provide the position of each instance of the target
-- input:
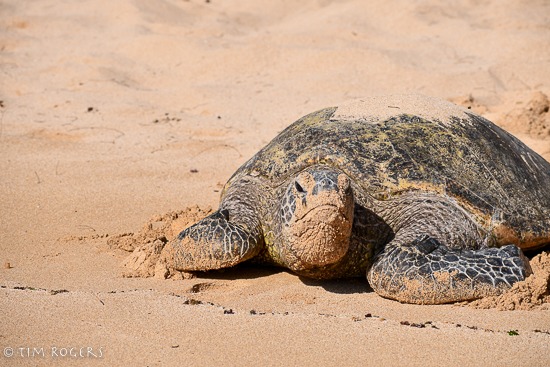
(316, 217)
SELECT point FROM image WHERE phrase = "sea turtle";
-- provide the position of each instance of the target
(427, 199)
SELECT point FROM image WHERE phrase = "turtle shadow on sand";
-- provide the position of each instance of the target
(339, 286)
(257, 271)
(240, 271)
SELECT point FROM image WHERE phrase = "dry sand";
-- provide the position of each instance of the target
(114, 112)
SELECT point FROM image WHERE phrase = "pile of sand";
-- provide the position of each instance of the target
(147, 244)
(531, 117)
(533, 292)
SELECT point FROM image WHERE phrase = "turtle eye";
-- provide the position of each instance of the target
(299, 188)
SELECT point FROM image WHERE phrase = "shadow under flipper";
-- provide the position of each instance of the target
(340, 286)
(245, 270)
(532, 253)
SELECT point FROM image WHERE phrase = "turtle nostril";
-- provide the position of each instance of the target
(344, 182)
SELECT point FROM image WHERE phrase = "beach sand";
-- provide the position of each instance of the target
(113, 114)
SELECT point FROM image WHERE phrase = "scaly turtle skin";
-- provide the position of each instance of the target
(428, 200)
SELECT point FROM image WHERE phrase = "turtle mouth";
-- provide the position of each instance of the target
(319, 238)
(316, 210)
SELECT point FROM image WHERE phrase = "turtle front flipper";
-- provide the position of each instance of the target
(428, 272)
(213, 243)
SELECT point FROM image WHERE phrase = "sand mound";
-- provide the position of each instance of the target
(532, 117)
(147, 244)
(532, 293)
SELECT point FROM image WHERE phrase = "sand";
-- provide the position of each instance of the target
(112, 113)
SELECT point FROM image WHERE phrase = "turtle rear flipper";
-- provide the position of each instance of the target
(213, 243)
(428, 272)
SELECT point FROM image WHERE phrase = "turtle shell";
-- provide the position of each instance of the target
(396, 144)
